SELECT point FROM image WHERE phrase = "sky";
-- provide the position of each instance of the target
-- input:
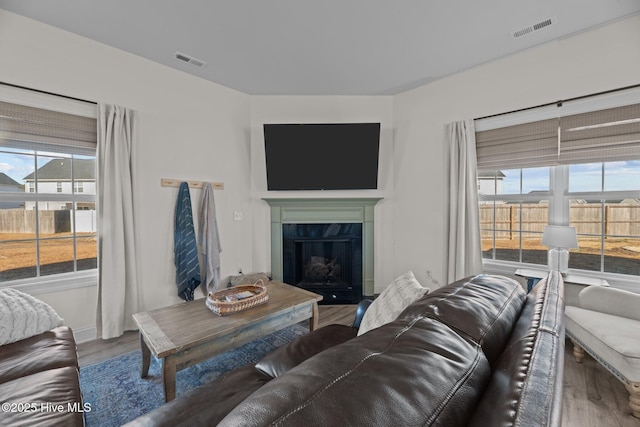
(16, 166)
(619, 176)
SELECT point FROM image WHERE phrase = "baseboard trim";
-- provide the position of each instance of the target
(87, 333)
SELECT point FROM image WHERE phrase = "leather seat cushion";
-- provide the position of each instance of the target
(50, 350)
(59, 386)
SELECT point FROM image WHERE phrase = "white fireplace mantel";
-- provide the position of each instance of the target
(324, 210)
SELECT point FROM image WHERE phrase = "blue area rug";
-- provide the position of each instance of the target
(117, 394)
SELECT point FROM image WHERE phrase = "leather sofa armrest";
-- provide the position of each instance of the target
(362, 308)
(302, 348)
(613, 301)
(207, 404)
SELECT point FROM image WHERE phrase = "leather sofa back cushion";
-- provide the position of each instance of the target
(431, 376)
(481, 308)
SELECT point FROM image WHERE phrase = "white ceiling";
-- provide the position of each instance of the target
(329, 47)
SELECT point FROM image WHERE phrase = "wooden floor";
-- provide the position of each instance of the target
(592, 397)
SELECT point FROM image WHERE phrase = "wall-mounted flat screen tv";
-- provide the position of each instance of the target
(322, 156)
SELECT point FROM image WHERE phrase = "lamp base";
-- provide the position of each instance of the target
(558, 260)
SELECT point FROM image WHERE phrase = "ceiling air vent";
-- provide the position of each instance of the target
(190, 59)
(535, 27)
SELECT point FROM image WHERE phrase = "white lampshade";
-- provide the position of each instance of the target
(559, 236)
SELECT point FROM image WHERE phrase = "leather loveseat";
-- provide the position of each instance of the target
(477, 352)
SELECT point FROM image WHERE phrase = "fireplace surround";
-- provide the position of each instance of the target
(324, 245)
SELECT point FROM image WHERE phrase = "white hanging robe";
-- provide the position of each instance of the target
(209, 240)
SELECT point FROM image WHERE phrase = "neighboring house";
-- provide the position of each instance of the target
(7, 184)
(487, 185)
(55, 178)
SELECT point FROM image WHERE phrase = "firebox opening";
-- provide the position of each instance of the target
(324, 263)
(324, 258)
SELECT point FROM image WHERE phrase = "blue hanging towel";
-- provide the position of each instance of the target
(184, 246)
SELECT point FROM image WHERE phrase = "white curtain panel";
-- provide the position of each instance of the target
(117, 283)
(465, 249)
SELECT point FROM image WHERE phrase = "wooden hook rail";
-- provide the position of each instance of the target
(166, 182)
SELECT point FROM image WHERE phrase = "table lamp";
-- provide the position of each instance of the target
(559, 239)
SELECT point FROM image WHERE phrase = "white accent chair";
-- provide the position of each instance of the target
(607, 326)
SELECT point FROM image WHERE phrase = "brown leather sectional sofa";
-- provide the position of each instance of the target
(39, 382)
(477, 352)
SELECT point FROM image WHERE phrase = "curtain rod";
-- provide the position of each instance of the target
(47, 92)
(560, 102)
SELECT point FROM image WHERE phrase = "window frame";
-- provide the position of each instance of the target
(558, 210)
(61, 281)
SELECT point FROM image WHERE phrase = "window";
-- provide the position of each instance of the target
(513, 214)
(581, 170)
(604, 206)
(46, 228)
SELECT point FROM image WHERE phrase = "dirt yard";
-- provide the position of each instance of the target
(19, 255)
(15, 255)
(623, 248)
(622, 256)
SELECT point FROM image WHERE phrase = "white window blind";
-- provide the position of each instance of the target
(43, 130)
(601, 136)
(520, 146)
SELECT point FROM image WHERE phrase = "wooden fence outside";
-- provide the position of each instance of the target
(619, 220)
(23, 221)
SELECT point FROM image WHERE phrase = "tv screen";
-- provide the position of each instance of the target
(322, 156)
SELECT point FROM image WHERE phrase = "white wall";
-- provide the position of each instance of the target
(602, 59)
(324, 109)
(188, 129)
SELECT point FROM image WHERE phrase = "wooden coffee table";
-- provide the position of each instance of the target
(189, 333)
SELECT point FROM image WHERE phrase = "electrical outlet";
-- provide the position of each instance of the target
(237, 215)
